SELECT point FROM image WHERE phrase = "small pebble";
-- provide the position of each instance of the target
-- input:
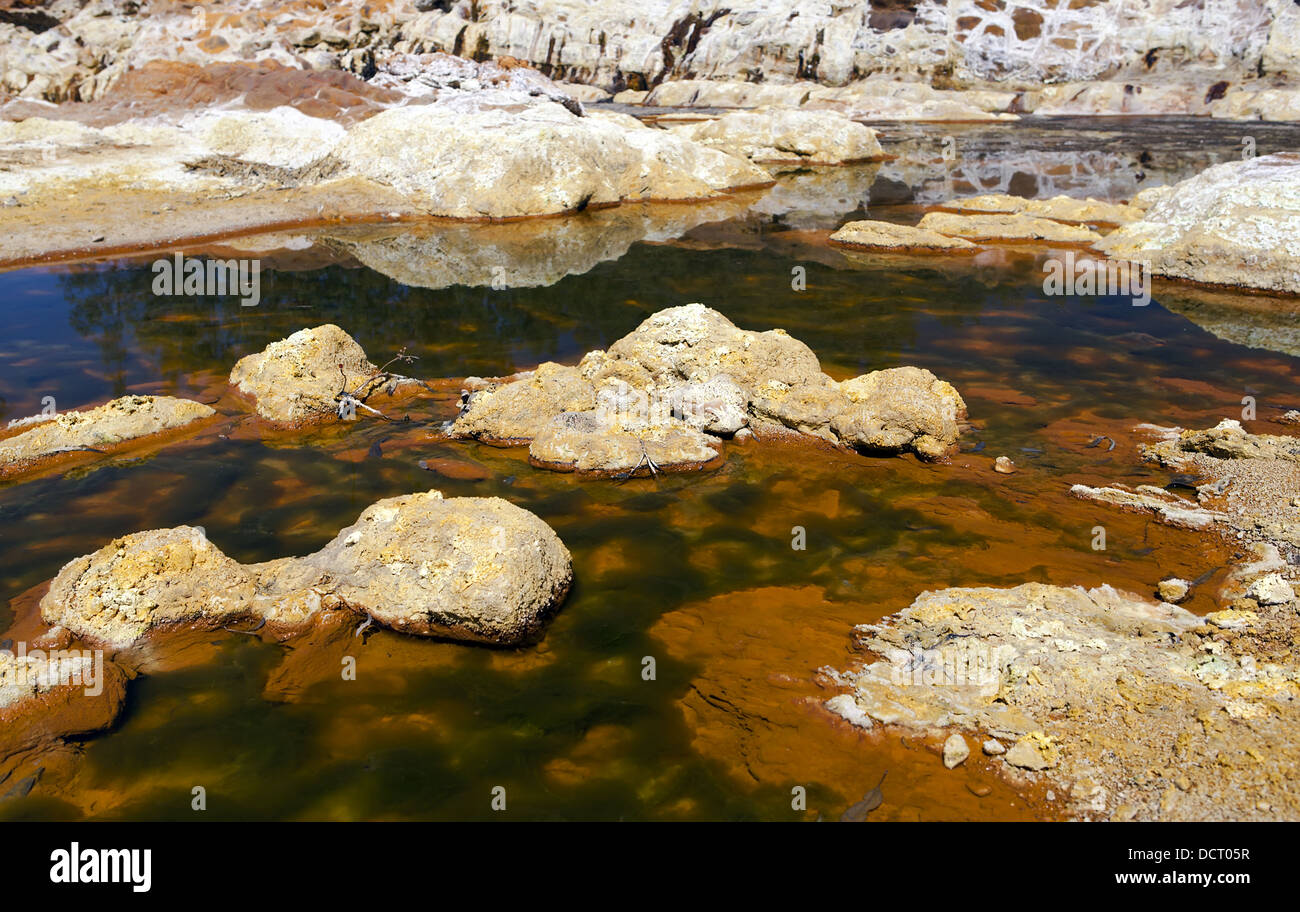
(1174, 590)
(993, 747)
(979, 791)
(1003, 466)
(955, 751)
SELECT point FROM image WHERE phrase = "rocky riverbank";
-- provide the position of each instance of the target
(1133, 708)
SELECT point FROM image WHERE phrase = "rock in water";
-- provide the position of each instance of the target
(475, 569)
(685, 377)
(889, 236)
(1237, 223)
(1174, 590)
(468, 568)
(778, 135)
(114, 423)
(296, 380)
(955, 751)
(1004, 466)
(858, 812)
(489, 162)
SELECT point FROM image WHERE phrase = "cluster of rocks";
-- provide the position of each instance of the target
(1234, 224)
(311, 376)
(665, 395)
(1247, 484)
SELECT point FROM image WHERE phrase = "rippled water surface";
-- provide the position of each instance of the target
(694, 571)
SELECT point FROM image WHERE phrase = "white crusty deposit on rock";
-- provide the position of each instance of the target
(476, 569)
(472, 161)
(1233, 224)
(686, 373)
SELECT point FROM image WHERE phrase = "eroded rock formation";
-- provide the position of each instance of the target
(474, 569)
(665, 395)
(1233, 224)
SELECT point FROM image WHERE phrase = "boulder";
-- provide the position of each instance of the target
(466, 160)
(297, 380)
(473, 569)
(900, 408)
(469, 568)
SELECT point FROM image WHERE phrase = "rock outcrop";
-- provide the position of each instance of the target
(97, 430)
(785, 135)
(474, 569)
(1164, 716)
(474, 161)
(1160, 57)
(664, 396)
(1233, 224)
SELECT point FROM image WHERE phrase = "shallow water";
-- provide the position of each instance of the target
(695, 571)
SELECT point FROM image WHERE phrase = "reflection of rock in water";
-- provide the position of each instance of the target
(1257, 321)
(1069, 156)
(539, 253)
(527, 254)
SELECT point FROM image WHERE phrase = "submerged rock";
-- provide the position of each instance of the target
(889, 236)
(475, 569)
(1236, 223)
(1174, 590)
(99, 429)
(787, 135)
(655, 397)
(52, 693)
